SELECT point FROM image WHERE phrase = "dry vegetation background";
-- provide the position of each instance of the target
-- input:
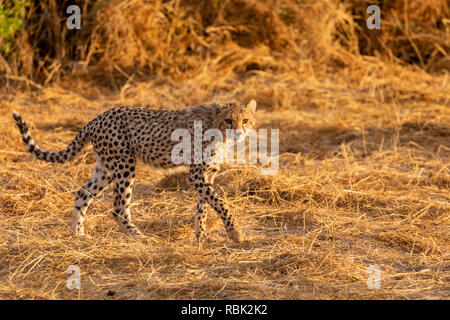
(364, 123)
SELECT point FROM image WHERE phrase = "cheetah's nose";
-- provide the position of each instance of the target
(238, 133)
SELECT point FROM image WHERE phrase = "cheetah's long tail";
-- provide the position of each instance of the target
(62, 156)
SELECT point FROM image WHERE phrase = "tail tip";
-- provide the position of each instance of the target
(16, 115)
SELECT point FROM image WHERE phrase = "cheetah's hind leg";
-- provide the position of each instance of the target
(123, 188)
(98, 182)
(200, 221)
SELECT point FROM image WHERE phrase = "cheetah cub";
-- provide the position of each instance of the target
(123, 135)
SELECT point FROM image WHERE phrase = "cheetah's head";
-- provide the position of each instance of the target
(238, 117)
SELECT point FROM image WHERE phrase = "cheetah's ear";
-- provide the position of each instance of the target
(252, 106)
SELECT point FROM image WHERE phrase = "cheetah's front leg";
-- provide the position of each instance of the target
(200, 216)
(198, 179)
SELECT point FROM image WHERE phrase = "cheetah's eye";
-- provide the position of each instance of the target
(244, 121)
(228, 121)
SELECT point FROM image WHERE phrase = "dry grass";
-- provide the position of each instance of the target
(364, 167)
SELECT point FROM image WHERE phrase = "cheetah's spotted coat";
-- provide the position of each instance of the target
(122, 135)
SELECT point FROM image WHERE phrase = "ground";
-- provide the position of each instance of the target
(363, 181)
